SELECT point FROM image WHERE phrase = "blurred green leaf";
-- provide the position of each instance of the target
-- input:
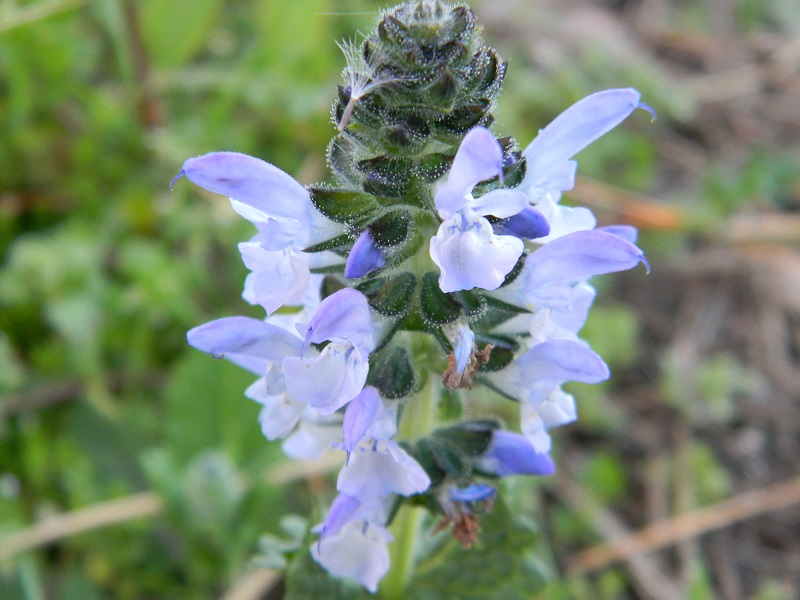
(605, 475)
(205, 407)
(700, 587)
(13, 372)
(705, 390)
(501, 564)
(272, 550)
(775, 590)
(297, 57)
(612, 332)
(174, 31)
(710, 477)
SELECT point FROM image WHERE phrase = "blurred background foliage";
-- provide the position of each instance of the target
(104, 269)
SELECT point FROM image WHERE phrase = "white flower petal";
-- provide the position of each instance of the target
(500, 203)
(470, 255)
(564, 219)
(386, 470)
(356, 552)
(326, 382)
(279, 414)
(278, 277)
(312, 440)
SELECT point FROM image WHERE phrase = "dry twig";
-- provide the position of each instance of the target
(646, 576)
(144, 504)
(253, 585)
(688, 525)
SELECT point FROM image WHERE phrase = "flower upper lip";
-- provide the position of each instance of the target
(577, 127)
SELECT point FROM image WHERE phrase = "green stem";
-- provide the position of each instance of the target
(419, 418)
(405, 528)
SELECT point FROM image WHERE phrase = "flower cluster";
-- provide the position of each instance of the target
(422, 268)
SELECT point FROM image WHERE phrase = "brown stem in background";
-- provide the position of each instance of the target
(144, 504)
(688, 525)
(150, 111)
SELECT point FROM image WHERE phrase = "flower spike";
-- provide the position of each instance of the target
(435, 259)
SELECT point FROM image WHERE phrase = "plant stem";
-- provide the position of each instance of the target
(419, 418)
(406, 528)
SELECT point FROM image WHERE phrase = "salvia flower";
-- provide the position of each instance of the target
(437, 258)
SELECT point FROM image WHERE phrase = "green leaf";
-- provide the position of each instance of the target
(390, 229)
(343, 206)
(501, 564)
(494, 312)
(390, 296)
(423, 453)
(450, 405)
(308, 56)
(386, 170)
(437, 307)
(273, 550)
(502, 353)
(330, 285)
(392, 373)
(472, 438)
(449, 452)
(472, 303)
(605, 474)
(213, 490)
(340, 241)
(456, 464)
(433, 166)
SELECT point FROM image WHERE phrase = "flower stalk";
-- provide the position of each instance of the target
(418, 420)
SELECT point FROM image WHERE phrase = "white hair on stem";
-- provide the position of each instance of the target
(361, 76)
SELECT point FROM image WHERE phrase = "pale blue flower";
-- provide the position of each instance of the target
(328, 380)
(344, 316)
(470, 255)
(381, 468)
(377, 466)
(556, 361)
(550, 169)
(552, 285)
(364, 257)
(247, 342)
(466, 248)
(358, 550)
(296, 378)
(252, 182)
(313, 357)
(549, 272)
(474, 492)
(316, 435)
(512, 454)
(574, 129)
(529, 224)
(280, 412)
(362, 413)
(278, 278)
(286, 219)
(554, 409)
(626, 232)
